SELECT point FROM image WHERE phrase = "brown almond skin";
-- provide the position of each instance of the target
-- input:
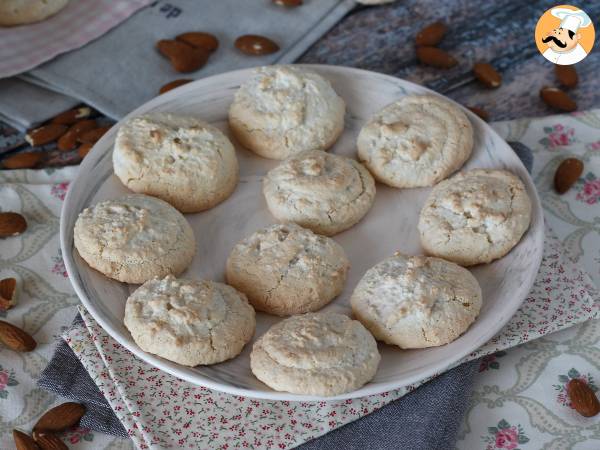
(24, 441)
(45, 134)
(11, 224)
(566, 75)
(184, 58)
(583, 399)
(15, 338)
(482, 113)
(173, 84)
(68, 141)
(73, 115)
(8, 286)
(26, 160)
(84, 149)
(253, 44)
(60, 417)
(433, 56)
(557, 99)
(48, 441)
(206, 41)
(93, 136)
(288, 3)
(567, 173)
(432, 34)
(487, 75)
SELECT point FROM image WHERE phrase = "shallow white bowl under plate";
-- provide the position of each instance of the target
(390, 225)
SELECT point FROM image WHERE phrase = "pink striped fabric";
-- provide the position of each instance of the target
(25, 47)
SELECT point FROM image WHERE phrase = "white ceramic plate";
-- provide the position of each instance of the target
(389, 226)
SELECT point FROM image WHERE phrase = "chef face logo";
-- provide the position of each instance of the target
(564, 35)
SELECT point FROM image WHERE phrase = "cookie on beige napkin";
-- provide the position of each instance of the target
(22, 12)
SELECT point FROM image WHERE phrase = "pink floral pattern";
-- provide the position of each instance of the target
(59, 190)
(588, 189)
(7, 379)
(562, 397)
(558, 136)
(491, 361)
(506, 436)
(77, 434)
(59, 266)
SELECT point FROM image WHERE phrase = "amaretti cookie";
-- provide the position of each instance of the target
(324, 192)
(283, 110)
(134, 238)
(189, 322)
(179, 159)
(22, 12)
(475, 217)
(416, 301)
(415, 141)
(320, 354)
(285, 269)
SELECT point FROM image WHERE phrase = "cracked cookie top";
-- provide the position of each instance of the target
(189, 322)
(324, 192)
(134, 238)
(475, 217)
(180, 159)
(283, 110)
(285, 269)
(315, 354)
(415, 141)
(416, 301)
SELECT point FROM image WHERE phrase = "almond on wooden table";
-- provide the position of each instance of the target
(173, 84)
(433, 56)
(206, 41)
(253, 44)
(23, 441)
(68, 141)
(487, 75)
(432, 34)
(288, 3)
(49, 441)
(583, 399)
(60, 417)
(8, 293)
(45, 134)
(15, 338)
(73, 115)
(557, 99)
(11, 224)
(482, 113)
(92, 136)
(84, 149)
(184, 58)
(25, 160)
(566, 75)
(567, 173)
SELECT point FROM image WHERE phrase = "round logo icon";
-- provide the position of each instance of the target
(564, 35)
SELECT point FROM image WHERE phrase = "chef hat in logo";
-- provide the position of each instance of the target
(571, 19)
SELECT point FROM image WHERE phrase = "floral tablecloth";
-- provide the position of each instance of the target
(519, 401)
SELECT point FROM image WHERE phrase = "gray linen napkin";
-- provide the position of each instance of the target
(122, 70)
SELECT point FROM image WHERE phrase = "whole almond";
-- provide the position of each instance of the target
(288, 3)
(487, 75)
(433, 56)
(566, 75)
(482, 113)
(432, 34)
(567, 173)
(15, 338)
(583, 399)
(45, 134)
(184, 58)
(73, 115)
(24, 441)
(84, 149)
(93, 136)
(11, 224)
(68, 141)
(60, 417)
(26, 160)
(557, 99)
(173, 84)
(207, 41)
(48, 441)
(8, 293)
(253, 44)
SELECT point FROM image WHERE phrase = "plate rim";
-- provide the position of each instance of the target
(95, 155)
